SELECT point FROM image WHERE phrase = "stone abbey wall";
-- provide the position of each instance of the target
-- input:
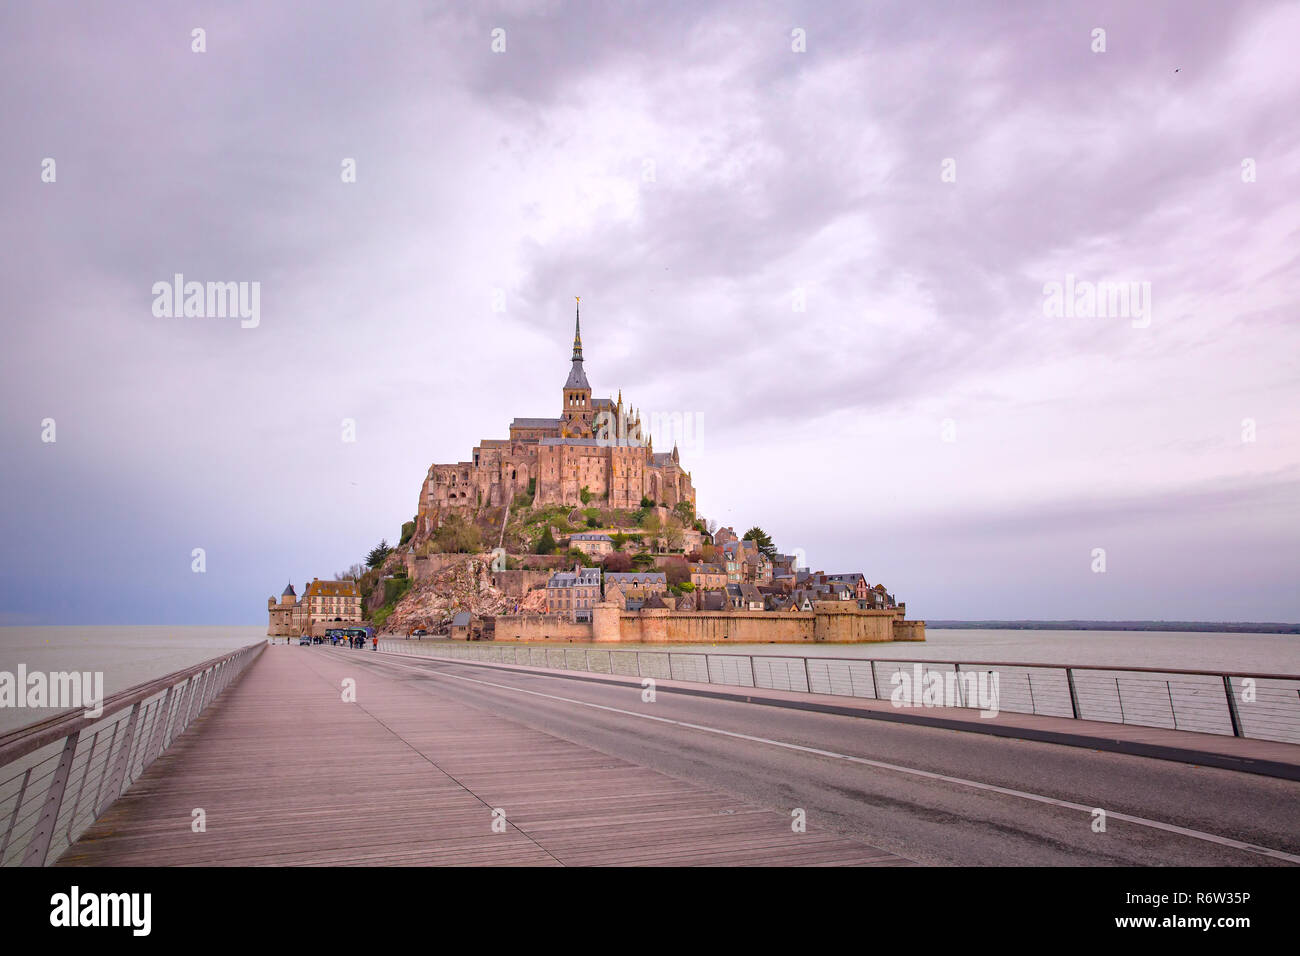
(831, 625)
(532, 627)
(518, 582)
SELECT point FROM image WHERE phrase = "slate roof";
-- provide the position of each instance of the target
(590, 442)
(535, 423)
(332, 589)
(566, 579)
(712, 601)
(637, 578)
(577, 377)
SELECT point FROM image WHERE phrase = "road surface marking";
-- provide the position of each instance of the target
(897, 768)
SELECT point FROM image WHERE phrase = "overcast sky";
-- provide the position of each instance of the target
(833, 260)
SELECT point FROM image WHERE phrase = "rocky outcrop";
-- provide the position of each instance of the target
(463, 586)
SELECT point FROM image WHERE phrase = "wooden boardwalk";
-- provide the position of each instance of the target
(287, 773)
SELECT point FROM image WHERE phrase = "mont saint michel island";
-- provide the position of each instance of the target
(574, 528)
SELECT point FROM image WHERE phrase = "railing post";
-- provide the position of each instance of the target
(1074, 694)
(13, 817)
(123, 755)
(76, 804)
(117, 725)
(195, 681)
(961, 698)
(875, 688)
(44, 832)
(209, 687)
(160, 725)
(1232, 706)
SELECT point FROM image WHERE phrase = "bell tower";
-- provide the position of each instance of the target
(577, 413)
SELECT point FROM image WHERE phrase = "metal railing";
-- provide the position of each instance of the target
(62, 773)
(1259, 706)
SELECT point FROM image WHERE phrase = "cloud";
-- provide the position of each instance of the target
(695, 180)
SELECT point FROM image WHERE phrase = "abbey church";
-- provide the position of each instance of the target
(594, 444)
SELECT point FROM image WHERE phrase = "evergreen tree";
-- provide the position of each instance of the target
(761, 540)
(377, 554)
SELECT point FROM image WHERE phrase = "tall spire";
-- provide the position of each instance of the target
(577, 378)
(577, 329)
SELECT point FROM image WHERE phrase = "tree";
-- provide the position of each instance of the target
(647, 502)
(408, 531)
(458, 536)
(546, 544)
(677, 573)
(761, 540)
(695, 557)
(585, 495)
(619, 539)
(651, 522)
(378, 553)
(686, 510)
(616, 562)
(674, 534)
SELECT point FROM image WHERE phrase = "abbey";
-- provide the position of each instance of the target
(594, 445)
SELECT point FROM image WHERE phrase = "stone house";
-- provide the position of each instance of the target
(591, 544)
(708, 577)
(573, 593)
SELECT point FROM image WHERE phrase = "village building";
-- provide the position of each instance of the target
(592, 545)
(288, 617)
(708, 577)
(573, 594)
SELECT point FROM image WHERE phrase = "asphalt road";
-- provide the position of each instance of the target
(933, 803)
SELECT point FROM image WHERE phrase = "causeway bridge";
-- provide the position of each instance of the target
(432, 753)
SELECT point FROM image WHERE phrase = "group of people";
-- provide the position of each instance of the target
(357, 641)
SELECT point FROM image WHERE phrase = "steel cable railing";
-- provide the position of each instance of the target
(59, 775)
(1258, 706)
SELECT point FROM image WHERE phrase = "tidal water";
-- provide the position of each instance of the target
(131, 655)
(126, 655)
